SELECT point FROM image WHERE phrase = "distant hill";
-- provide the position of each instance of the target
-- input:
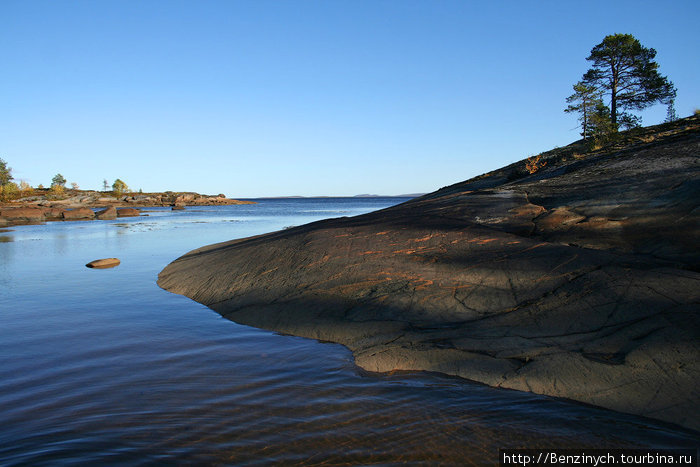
(414, 195)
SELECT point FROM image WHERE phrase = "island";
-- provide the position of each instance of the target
(574, 273)
(88, 205)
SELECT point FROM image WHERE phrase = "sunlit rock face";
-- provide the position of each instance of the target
(579, 281)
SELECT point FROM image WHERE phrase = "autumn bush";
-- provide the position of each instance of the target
(534, 163)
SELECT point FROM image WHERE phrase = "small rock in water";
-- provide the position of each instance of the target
(104, 263)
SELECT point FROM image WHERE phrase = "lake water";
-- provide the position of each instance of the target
(104, 367)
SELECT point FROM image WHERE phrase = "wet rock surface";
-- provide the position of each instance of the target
(104, 263)
(579, 281)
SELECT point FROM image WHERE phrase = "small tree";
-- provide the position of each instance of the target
(627, 71)
(105, 185)
(119, 187)
(584, 100)
(74, 186)
(600, 124)
(671, 115)
(58, 181)
(5, 173)
(8, 191)
(24, 187)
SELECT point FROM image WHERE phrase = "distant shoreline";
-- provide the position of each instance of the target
(412, 195)
(47, 205)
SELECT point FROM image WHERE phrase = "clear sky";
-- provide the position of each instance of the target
(269, 98)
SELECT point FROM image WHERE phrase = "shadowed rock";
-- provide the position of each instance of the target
(53, 213)
(580, 281)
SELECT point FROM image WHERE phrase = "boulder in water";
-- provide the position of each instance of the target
(104, 263)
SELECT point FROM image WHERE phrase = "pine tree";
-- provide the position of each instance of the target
(671, 111)
(58, 181)
(627, 71)
(584, 100)
(601, 126)
(5, 173)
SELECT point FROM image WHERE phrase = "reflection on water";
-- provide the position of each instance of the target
(6, 239)
(102, 366)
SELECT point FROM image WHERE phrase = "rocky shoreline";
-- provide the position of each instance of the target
(89, 205)
(579, 281)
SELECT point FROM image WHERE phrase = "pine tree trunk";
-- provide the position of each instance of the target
(613, 97)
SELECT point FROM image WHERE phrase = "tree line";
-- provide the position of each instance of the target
(11, 190)
(623, 71)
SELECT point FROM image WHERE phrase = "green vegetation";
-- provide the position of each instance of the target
(58, 184)
(625, 71)
(8, 189)
(671, 115)
(119, 187)
(585, 100)
(58, 180)
(5, 173)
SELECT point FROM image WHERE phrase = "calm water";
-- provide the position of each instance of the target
(102, 366)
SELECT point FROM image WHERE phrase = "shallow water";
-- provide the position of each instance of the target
(103, 366)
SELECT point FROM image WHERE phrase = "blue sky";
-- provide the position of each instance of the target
(271, 98)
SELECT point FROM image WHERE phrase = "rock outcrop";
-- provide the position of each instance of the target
(22, 215)
(46, 207)
(128, 212)
(107, 214)
(579, 281)
(78, 214)
(52, 214)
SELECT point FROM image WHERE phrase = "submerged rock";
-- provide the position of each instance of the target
(581, 281)
(103, 263)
